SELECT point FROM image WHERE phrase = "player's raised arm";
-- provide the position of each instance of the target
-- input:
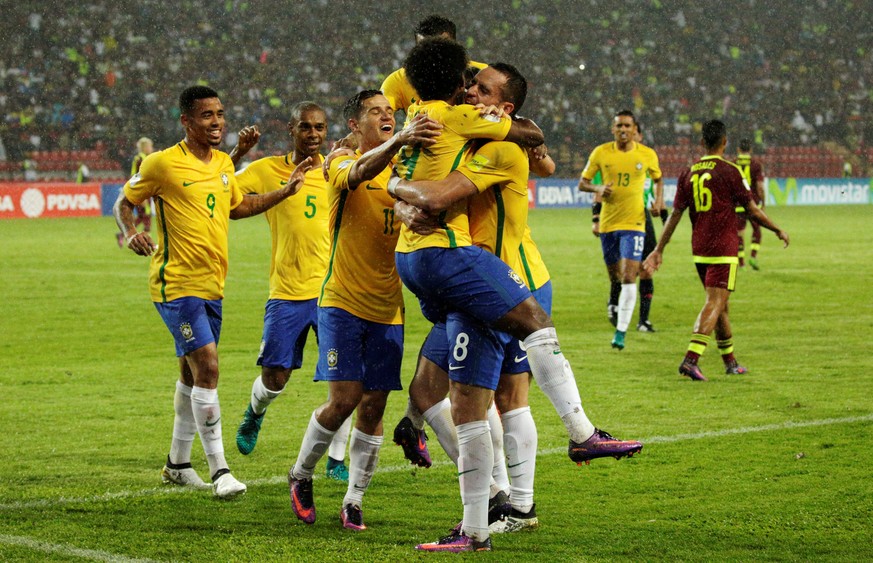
(255, 204)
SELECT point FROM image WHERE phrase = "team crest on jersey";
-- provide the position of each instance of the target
(225, 181)
(332, 358)
(516, 278)
(187, 332)
(345, 164)
(639, 165)
(477, 163)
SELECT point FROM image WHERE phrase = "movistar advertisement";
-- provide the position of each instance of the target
(818, 191)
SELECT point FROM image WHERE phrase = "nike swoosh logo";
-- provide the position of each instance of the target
(186, 184)
(453, 368)
(467, 471)
(511, 465)
(282, 182)
(556, 352)
(214, 423)
(369, 187)
(360, 488)
(521, 359)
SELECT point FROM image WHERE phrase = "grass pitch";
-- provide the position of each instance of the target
(765, 466)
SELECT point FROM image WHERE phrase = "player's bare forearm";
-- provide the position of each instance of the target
(255, 204)
(658, 204)
(417, 220)
(434, 196)
(422, 130)
(667, 234)
(765, 221)
(525, 133)
(248, 138)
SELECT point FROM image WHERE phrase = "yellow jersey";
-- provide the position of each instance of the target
(193, 202)
(462, 124)
(399, 91)
(298, 226)
(361, 276)
(624, 209)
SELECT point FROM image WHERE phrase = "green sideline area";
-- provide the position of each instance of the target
(765, 466)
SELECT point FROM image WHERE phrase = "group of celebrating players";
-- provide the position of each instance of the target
(439, 206)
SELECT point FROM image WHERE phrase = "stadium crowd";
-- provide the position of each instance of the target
(102, 74)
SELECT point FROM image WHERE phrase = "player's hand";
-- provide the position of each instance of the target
(538, 152)
(783, 236)
(248, 138)
(347, 142)
(417, 220)
(295, 181)
(422, 130)
(141, 243)
(485, 111)
(605, 190)
(595, 229)
(340, 151)
(653, 262)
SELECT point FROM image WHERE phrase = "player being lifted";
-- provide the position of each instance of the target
(711, 190)
(624, 165)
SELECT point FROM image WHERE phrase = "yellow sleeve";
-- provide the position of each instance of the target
(250, 180)
(465, 121)
(490, 167)
(146, 183)
(654, 166)
(593, 165)
(338, 174)
(394, 88)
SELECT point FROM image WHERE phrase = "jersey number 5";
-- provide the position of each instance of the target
(702, 195)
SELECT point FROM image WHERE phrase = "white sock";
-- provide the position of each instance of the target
(474, 474)
(207, 413)
(555, 378)
(184, 425)
(315, 442)
(439, 417)
(363, 457)
(261, 396)
(414, 415)
(627, 300)
(520, 437)
(498, 471)
(337, 448)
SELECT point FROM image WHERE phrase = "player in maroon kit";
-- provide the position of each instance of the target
(753, 172)
(712, 188)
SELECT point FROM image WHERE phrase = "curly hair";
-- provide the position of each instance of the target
(435, 68)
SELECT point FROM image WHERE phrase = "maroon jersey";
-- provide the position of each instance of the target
(712, 189)
(752, 171)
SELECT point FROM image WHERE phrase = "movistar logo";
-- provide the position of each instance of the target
(782, 196)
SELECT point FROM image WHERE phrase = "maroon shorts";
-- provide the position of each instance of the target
(718, 275)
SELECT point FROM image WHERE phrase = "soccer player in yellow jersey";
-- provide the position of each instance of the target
(470, 289)
(396, 86)
(300, 246)
(624, 165)
(195, 192)
(360, 307)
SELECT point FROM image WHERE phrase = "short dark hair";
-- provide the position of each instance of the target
(354, 105)
(433, 26)
(300, 107)
(515, 89)
(625, 112)
(713, 132)
(745, 144)
(435, 68)
(190, 95)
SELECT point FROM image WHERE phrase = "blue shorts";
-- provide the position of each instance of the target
(467, 350)
(193, 322)
(286, 326)
(465, 279)
(622, 244)
(514, 354)
(352, 349)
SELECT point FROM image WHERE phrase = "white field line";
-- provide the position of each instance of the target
(64, 549)
(165, 490)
